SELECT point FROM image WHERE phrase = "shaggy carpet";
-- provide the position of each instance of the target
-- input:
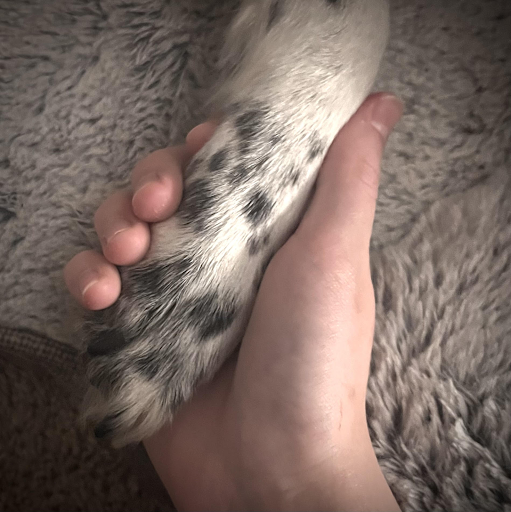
(88, 88)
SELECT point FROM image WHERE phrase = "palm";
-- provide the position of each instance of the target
(263, 401)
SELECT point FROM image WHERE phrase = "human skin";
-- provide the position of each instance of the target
(283, 425)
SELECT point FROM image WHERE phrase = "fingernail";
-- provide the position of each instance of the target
(386, 113)
(115, 230)
(150, 179)
(147, 180)
(88, 279)
(160, 196)
(140, 188)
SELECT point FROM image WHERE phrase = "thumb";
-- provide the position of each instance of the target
(341, 212)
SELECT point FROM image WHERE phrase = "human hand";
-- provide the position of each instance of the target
(283, 425)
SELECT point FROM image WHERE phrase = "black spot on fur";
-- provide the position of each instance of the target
(239, 175)
(244, 146)
(291, 177)
(317, 148)
(333, 2)
(149, 365)
(254, 246)
(106, 342)
(250, 123)
(258, 207)
(212, 315)
(275, 13)
(106, 426)
(155, 282)
(257, 244)
(149, 281)
(199, 202)
(102, 430)
(217, 161)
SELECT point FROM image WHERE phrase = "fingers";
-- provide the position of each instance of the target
(341, 213)
(124, 238)
(157, 183)
(92, 280)
(121, 221)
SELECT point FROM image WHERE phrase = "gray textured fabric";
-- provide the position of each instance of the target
(87, 88)
(439, 395)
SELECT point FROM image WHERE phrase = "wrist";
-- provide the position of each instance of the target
(354, 483)
(350, 480)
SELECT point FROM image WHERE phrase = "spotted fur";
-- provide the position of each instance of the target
(297, 70)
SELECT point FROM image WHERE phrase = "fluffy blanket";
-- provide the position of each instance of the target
(88, 88)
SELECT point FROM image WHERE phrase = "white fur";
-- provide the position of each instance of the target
(305, 75)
